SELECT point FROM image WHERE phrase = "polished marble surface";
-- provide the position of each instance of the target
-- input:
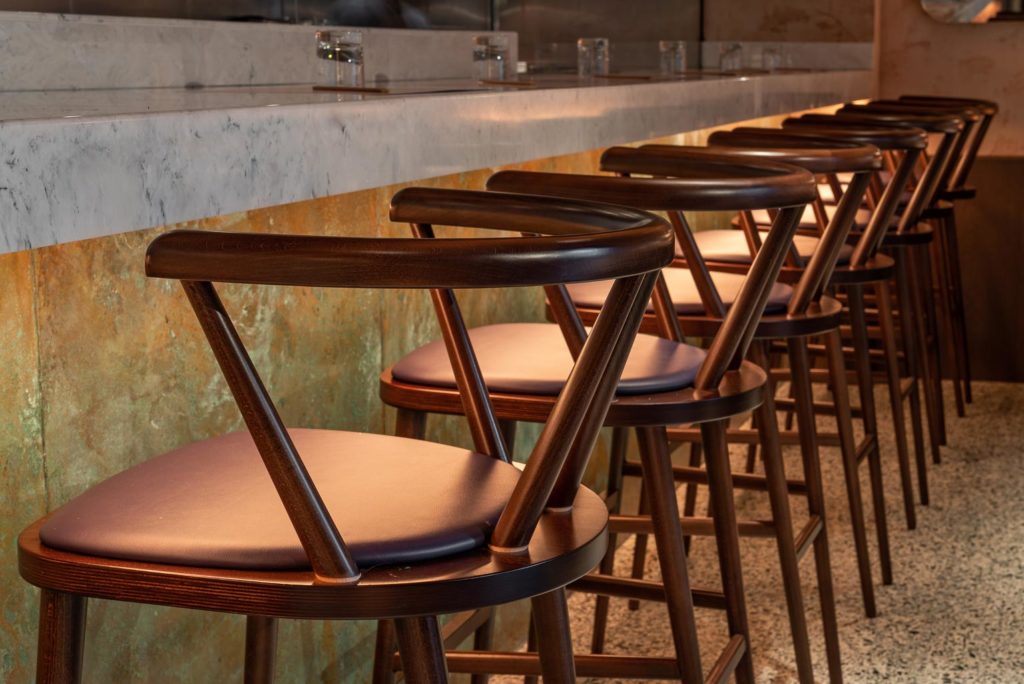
(85, 164)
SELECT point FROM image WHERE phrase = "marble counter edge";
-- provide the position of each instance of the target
(63, 180)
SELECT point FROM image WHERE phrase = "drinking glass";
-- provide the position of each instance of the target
(673, 57)
(348, 58)
(592, 58)
(490, 58)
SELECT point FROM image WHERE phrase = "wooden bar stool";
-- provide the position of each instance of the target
(808, 313)
(249, 522)
(681, 299)
(870, 271)
(909, 243)
(958, 190)
(653, 393)
(946, 264)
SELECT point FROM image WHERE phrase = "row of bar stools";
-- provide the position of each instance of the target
(706, 393)
(700, 308)
(251, 522)
(909, 241)
(950, 333)
(811, 264)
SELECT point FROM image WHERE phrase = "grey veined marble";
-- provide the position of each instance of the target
(85, 165)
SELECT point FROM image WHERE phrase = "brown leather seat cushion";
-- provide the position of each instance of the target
(684, 292)
(212, 503)
(532, 358)
(808, 220)
(731, 246)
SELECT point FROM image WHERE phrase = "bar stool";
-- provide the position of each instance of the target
(946, 265)
(810, 263)
(249, 522)
(681, 299)
(958, 190)
(868, 270)
(909, 242)
(719, 385)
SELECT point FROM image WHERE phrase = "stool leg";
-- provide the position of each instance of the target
(844, 421)
(668, 537)
(865, 386)
(892, 371)
(947, 307)
(483, 640)
(615, 461)
(921, 282)
(720, 492)
(419, 643)
(914, 345)
(804, 397)
(690, 500)
(778, 495)
(640, 542)
(554, 638)
(61, 637)
(958, 294)
(260, 649)
(384, 653)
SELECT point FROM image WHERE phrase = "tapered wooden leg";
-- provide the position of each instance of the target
(920, 285)
(892, 373)
(958, 298)
(945, 306)
(531, 646)
(668, 536)
(778, 495)
(804, 397)
(409, 423)
(848, 445)
(720, 492)
(421, 649)
(620, 438)
(913, 332)
(61, 638)
(640, 543)
(554, 637)
(483, 640)
(384, 652)
(260, 649)
(690, 500)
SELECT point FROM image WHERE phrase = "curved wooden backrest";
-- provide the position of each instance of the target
(726, 183)
(696, 179)
(971, 116)
(948, 126)
(817, 155)
(572, 239)
(988, 109)
(823, 127)
(820, 157)
(881, 116)
(908, 143)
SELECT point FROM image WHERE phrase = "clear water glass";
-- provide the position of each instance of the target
(673, 57)
(348, 58)
(490, 58)
(592, 57)
(731, 58)
(772, 59)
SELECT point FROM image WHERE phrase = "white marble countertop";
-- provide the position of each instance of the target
(82, 164)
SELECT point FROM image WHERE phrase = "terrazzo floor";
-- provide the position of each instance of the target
(955, 612)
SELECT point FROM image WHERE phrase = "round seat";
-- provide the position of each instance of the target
(731, 246)
(213, 504)
(683, 290)
(533, 358)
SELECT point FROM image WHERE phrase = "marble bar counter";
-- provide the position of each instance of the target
(88, 163)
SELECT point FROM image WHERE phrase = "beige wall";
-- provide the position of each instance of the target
(789, 20)
(919, 55)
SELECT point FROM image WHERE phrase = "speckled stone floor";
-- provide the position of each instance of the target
(955, 612)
